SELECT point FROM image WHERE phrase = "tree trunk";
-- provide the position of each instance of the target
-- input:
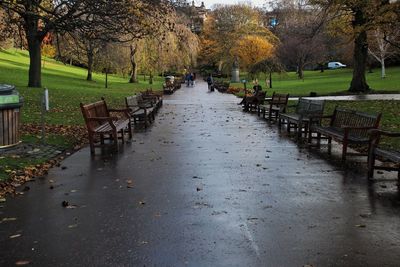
(151, 78)
(270, 79)
(35, 62)
(90, 64)
(106, 85)
(383, 69)
(300, 72)
(133, 78)
(359, 82)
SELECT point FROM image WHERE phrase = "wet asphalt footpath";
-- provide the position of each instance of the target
(205, 185)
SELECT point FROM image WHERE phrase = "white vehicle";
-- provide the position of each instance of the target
(336, 65)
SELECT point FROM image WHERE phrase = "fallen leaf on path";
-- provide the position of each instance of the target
(20, 263)
(15, 236)
(361, 225)
(9, 219)
(72, 226)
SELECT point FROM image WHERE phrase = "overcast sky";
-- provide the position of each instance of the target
(210, 3)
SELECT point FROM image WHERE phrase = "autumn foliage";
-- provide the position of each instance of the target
(252, 49)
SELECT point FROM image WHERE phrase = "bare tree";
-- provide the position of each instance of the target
(301, 30)
(380, 49)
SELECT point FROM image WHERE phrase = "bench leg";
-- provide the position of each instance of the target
(115, 138)
(299, 128)
(371, 165)
(130, 129)
(306, 130)
(91, 143)
(344, 150)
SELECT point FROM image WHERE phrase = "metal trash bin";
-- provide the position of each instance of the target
(10, 104)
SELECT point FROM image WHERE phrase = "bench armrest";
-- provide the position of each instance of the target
(357, 127)
(109, 119)
(376, 133)
(119, 110)
(145, 105)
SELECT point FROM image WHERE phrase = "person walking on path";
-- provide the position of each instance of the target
(191, 78)
(187, 78)
(210, 82)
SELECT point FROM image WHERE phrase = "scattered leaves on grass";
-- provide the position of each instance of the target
(19, 177)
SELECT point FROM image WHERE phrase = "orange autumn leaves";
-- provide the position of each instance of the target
(252, 49)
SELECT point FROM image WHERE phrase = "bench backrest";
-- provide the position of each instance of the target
(150, 92)
(261, 96)
(280, 101)
(132, 102)
(96, 109)
(310, 107)
(345, 117)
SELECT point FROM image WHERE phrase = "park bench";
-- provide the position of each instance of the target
(140, 111)
(346, 126)
(276, 104)
(251, 103)
(382, 152)
(307, 111)
(221, 86)
(155, 96)
(101, 125)
(169, 87)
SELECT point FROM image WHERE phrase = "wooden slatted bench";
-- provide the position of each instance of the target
(140, 111)
(348, 127)
(155, 97)
(252, 102)
(101, 125)
(384, 153)
(276, 105)
(307, 111)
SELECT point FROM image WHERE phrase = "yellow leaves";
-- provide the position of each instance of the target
(252, 49)
(48, 50)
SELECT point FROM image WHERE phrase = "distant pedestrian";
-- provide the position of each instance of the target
(191, 79)
(187, 78)
(210, 82)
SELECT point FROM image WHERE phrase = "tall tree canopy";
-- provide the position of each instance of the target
(41, 17)
(225, 26)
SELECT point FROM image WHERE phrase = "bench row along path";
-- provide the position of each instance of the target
(205, 185)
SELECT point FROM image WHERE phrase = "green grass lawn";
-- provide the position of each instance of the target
(67, 88)
(328, 82)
